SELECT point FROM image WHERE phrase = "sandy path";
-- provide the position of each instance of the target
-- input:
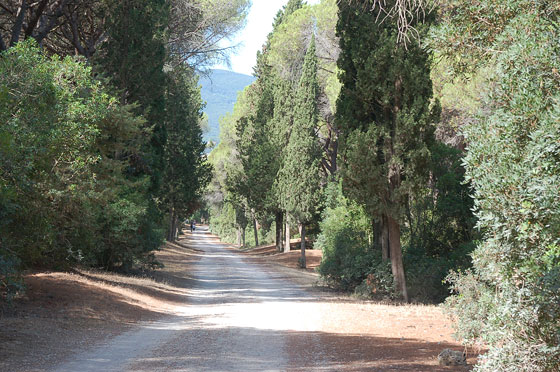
(243, 316)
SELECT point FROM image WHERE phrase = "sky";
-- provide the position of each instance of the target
(252, 37)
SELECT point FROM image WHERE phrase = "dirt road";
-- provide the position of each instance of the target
(243, 316)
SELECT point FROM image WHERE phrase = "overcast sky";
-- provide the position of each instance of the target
(253, 36)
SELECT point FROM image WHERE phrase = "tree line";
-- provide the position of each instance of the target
(416, 144)
(101, 150)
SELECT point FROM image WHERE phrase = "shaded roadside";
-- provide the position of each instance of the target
(62, 313)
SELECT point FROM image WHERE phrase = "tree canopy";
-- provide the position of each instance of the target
(102, 153)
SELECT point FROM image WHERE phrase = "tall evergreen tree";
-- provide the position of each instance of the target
(133, 59)
(257, 155)
(259, 149)
(186, 171)
(279, 129)
(299, 181)
(383, 113)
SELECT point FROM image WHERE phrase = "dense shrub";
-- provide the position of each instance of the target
(437, 238)
(510, 299)
(222, 223)
(65, 196)
(345, 241)
(10, 279)
(426, 274)
(225, 223)
(440, 234)
(378, 283)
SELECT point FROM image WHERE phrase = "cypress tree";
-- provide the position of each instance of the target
(186, 171)
(385, 121)
(259, 148)
(299, 179)
(133, 59)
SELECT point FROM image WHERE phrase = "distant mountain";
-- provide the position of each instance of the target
(219, 90)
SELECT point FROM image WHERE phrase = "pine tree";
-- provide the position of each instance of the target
(299, 181)
(383, 113)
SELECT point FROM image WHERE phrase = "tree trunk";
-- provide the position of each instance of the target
(303, 264)
(238, 242)
(385, 249)
(256, 232)
(279, 220)
(170, 229)
(376, 225)
(410, 222)
(175, 227)
(35, 19)
(243, 237)
(48, 23)
(397, 266)
(287, 235)
(16, 30)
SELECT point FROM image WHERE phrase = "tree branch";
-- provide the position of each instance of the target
(51, 23)
(72, 19)
(33, 22)
(16, 29)
(8, 10)
(2, 44)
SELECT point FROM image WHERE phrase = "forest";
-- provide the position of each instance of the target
(101, 150)
(416, 143)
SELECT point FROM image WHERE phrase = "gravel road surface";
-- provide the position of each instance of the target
(244, 316)
(238, 319)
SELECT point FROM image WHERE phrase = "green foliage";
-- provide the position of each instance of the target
(260, 166)
(426, 274)
(222, 223)
(256, 152)
(228, 210)
(133, 60)
(83, 161)
(344, 240)
(291, 37)
(384, 100)
(510, 299)
(299, 178)
(186, 172)
(385, 118)
(440, 231)
(438, 237)
(64, 198)
(349, 261)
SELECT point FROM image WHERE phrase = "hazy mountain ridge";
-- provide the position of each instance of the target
(219, 90)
